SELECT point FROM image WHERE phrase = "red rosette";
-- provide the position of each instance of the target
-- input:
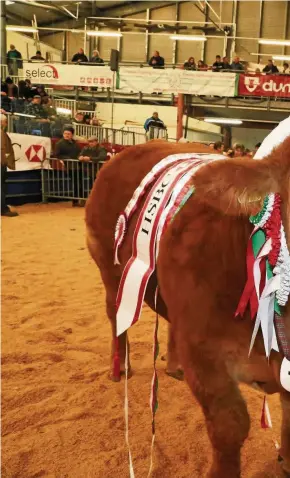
(273, 230)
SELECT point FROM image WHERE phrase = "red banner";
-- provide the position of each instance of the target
(264, 85)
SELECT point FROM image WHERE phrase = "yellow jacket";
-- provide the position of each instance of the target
(7, 153)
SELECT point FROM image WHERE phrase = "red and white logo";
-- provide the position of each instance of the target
(252, 83)
(36, 153)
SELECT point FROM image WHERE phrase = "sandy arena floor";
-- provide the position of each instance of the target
(62, 417)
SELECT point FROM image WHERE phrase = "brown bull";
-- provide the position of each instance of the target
(201, 271)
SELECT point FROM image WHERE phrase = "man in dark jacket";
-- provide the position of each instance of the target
(93, 152)
(237, 65)
(218, 64)
(154, 121)
(79, 57)
(156, 61)
(67, 147)
(37, 56)
(270, 68)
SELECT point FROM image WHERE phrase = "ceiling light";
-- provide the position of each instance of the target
(275, 42)
(19, 28)
(223, 120)
(281, 57)
(7, 2)
(188, 37)
(96, 33)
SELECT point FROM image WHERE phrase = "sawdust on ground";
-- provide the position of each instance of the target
(62, 417)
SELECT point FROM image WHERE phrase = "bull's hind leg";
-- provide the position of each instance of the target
(173, 367)
(104, 260)
(225, 411)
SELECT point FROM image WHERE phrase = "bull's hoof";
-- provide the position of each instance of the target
(177, 374)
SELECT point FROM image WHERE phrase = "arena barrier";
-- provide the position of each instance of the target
(68, 179)
(157, 133)
(109, 135)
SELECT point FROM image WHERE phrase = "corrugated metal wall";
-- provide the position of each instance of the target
(275, 16)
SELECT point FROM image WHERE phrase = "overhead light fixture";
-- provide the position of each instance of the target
(275, 42)
(19, 28)
(8, 2)
(188, 37)
(96, 33)
(281, 57)
(223, 121)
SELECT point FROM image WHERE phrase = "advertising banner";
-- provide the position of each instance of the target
(150, 80)
(30, 151)
(265, 85)
(70, 75)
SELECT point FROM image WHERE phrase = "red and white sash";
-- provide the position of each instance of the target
(149, 227)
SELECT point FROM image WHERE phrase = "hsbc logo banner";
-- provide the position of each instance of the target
(31, 152)
(70, 75)
(265, 85)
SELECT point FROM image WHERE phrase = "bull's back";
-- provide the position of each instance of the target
(118, 179)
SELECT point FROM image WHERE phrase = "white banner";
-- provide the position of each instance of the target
(70, 75)
(30, 151)
(150, 80)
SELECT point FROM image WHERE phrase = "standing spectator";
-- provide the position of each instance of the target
(93, 152)
(154, 121)
(286, 70)
(96, 59)
(218, 147)
(23, 90)
(270, 68)
(156, 61)
(37, 56)
(237, 65)
(226, 64)
(14, 60)
(202, 66)
(190, 64)
(67, 147)
(218, 64)
(79, 57)
(12, 89)
(7, 160)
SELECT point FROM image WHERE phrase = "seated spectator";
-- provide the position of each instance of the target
(37, 56)
(78, 118)
(190, 64)
(218, 64)
(12, 89)
(248, 153)
(270, 68)
(237, 65)
(79, 57)
(49, 108)
(96, 58)
(286, 70)
(239, 150)
(257, 146)
(93, 152)
(226, 64)
(257, 71)
(24, 91)
(67, 147)
(202, 66)
(41, 92)
(218, 147)
(5, 100)
(154, 121)
(95, 122)
(156, 61)
(87, 119)
(35, 108)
